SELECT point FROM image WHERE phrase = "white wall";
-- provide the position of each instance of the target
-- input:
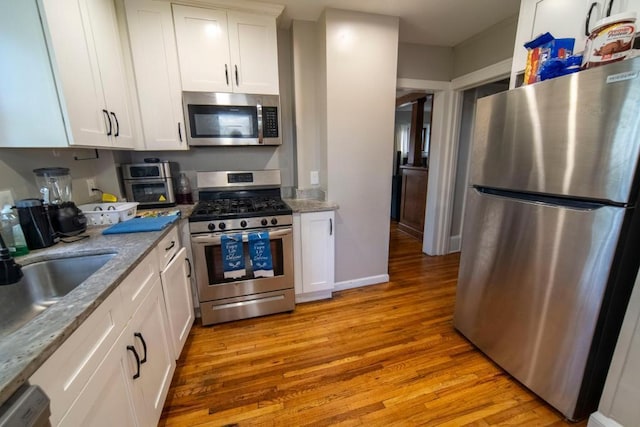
(486, 48)
(311, 152)
(416, 61)
(17, 165)
(361, 64)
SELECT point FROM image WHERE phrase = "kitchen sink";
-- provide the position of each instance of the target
(43, 284)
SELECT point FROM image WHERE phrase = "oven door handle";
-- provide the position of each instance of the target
(216, 239)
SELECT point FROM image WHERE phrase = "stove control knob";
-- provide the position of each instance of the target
(274, 221)
(222, 226)
(243, 223)
(264, 222)
(211, 226)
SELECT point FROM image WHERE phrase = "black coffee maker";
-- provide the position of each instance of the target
(55, 187)
(36, 224)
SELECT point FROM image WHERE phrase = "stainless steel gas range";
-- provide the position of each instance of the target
(234, 208)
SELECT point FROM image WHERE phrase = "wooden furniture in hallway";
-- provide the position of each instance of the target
(379, 355)
(415, 173)
(414, 200)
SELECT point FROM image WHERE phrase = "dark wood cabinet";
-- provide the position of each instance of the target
(414, 200)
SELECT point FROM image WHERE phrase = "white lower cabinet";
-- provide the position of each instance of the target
(130, 385)
(149, 335)
(116, 368)
(107, 399)
(314, 255)
(176, 285)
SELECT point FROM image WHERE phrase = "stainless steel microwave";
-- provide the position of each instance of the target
(232, 119)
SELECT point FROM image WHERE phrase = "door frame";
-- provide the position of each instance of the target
(447, 113)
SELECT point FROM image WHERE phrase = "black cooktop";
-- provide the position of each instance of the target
(230, 205)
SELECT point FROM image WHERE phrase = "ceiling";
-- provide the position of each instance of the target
(430, 22)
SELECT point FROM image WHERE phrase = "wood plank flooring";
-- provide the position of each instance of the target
(380, 355)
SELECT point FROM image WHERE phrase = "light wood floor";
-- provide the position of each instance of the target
(374, 356)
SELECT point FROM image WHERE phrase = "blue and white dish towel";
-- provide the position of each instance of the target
(232, 256)
(260, 253)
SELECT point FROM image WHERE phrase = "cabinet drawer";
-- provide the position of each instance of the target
(66, 372)
(139, 282)
(168, 247)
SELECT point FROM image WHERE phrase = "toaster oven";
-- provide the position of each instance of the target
(150, 184)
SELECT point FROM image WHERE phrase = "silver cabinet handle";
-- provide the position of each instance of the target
(173, 243)
(237, 80)
(180, 131)
(330, 226)
(226, 73)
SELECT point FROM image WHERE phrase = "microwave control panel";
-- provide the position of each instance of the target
(270, 122)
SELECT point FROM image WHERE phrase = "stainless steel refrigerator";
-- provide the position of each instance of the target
(551, 237)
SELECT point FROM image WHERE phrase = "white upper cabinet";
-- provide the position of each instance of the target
(226, 51)
(561, 18)
(253, 47)
(620, 6)
(157, 75)
(30, 114)
(89, 65)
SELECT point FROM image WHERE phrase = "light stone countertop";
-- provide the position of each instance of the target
(310, 205)
(23, 351)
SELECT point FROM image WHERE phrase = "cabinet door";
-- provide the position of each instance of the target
(155, 60)
(203, 49)
(253, 48)
(107, 399)
(620, 6)
(317, 251)
(561, 18)
(176, 287)
(104, 26)
(26, 78)
(77, 69)
(148, 333)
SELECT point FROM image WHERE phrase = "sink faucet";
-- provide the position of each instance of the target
(10, 272)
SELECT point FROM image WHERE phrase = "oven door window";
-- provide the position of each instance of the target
(149, 193)
(223, 121)
(213, 256)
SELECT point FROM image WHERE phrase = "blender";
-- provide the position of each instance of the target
(55, 187)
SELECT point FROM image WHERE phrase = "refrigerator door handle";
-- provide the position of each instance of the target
(578, 204)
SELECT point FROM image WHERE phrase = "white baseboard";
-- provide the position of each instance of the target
(454, 244)
(364, 281)
(598, 419)
(314, 296)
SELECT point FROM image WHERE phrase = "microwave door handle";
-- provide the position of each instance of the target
(217, 239)
(260, 131)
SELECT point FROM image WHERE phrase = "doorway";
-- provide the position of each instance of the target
(411, 149)
(463, 162)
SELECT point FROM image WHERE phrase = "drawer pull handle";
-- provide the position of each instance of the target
(144, 346)
(189, 264)
(135, 353)
(173, 243)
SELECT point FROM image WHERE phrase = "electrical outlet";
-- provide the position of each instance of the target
(315, 178)
(91, 184)
(6, 198)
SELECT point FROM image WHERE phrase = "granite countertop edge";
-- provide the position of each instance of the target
(23, 351)
(310, 205)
